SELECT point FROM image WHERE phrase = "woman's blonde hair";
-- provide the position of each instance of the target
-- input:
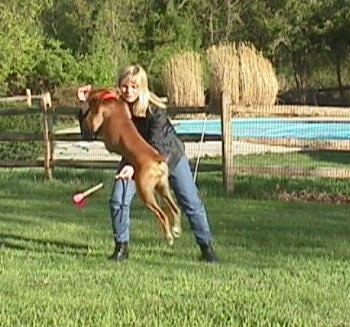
(138, 75)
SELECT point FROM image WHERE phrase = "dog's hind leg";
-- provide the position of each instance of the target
(163, 218)
(174, 219)
(163, 189)
(146, 192)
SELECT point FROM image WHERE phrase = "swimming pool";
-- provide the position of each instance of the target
(271, 128)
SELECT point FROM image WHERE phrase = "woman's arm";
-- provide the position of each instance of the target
(162, 136)
(83, 95)
(158, 123)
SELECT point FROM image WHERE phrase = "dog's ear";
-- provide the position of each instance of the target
(94, 117)
(97, 116)
(85, 131)
(96, 120)
(94, 99)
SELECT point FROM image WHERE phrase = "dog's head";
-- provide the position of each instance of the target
(91, 120)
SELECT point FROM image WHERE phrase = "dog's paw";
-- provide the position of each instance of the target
(176, 231)
(171, 241)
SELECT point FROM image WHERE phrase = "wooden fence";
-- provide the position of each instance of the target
(47, 136)
(28, 98)
(304, 113)
(228, 112)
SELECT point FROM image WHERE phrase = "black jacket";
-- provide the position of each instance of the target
(158, 131)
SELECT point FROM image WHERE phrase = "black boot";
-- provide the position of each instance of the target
(121, 252)
(208, 253)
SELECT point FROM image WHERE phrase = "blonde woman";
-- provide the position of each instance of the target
(150, 118)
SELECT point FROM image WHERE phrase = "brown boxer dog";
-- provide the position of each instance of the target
(109, 117)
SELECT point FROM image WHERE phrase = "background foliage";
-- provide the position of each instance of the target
(19, 150)
(50, 44)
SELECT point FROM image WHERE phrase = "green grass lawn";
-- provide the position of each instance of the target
(282, 263)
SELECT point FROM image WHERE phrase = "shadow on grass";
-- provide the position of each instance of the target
(13, 241)
(60, 174)
(263, 228)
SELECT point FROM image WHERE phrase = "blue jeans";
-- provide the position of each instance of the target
(186, 192)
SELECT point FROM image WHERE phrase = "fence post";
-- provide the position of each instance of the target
(29, 97)
(227, 143)
(48, 133)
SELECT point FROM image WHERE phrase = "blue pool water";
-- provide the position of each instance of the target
(270, 128)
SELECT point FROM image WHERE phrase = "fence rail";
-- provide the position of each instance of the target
(338, 173)
(21, 163)
(290, 111)
(228, 112)
(16, 112)
(20, 98)
(319, 145)
(14, 136)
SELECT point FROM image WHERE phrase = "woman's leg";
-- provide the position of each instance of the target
(123, 193)
(185, 189)
(186, 192)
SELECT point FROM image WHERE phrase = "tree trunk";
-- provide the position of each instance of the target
(339, 79)
(211, 25)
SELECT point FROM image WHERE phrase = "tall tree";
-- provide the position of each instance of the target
(331, 26)
(21, 39)
(72, 23)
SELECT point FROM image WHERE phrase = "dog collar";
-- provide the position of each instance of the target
(109, 96)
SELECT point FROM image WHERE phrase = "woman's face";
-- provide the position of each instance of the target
(129, 89)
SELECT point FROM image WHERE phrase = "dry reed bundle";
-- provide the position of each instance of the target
(248, 76)
(244, 73)
(259, 84)
(223, 63)
(183, 80)
(270, 81)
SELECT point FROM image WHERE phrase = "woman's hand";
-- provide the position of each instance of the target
(83, 92)
(127, 172)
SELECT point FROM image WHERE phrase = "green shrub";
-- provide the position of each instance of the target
(21, 150)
